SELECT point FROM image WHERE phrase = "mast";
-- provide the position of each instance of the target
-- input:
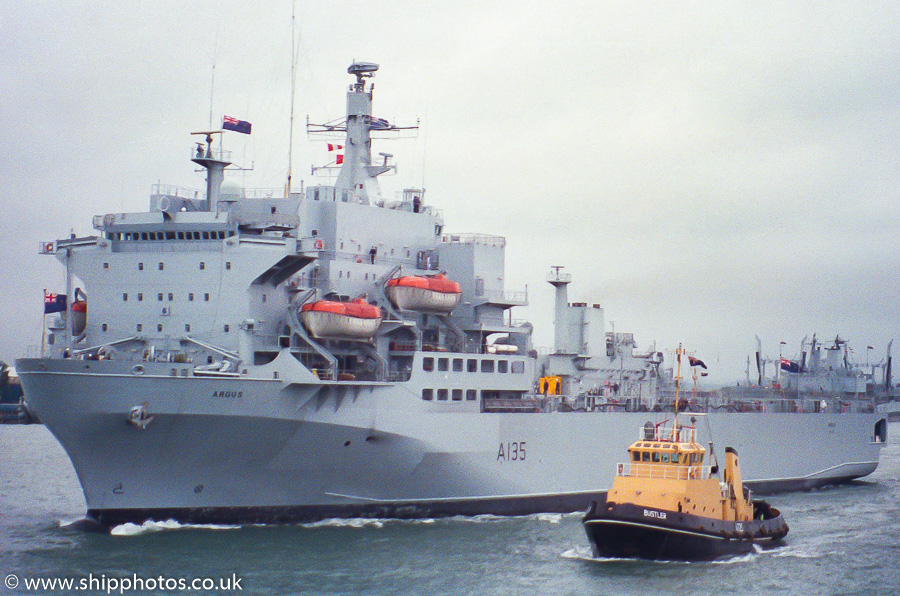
(295, 48)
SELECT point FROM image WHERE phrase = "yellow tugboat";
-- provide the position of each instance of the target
(670, 502)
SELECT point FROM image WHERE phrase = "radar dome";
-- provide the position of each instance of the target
(230, 191)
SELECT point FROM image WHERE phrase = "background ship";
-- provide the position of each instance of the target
(245, 358)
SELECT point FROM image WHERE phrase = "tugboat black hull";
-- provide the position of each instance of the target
(630, 531)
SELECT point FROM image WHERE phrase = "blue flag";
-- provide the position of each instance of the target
(241, 126)
(54, 302)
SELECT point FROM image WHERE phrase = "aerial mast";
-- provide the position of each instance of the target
(295, 48)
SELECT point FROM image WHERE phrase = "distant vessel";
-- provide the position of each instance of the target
(12, 404)
(231, 365)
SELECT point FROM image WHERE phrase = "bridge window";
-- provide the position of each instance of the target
(636, 455)
(487, 366)
(665, 458)
(472, 365)
(428, 364)
(457, 365)
(502, 366)
(675, 458)
(443, 364)
(518, 367)
(645, 456)
(656, 457)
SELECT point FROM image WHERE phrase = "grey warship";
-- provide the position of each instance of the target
(234, 357)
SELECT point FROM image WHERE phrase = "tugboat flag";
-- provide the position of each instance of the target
(241, 126)
(54, 302)
(339, 159)
(334, 147)
(696, 362)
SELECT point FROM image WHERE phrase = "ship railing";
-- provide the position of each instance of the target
(170, 190)
(482, 239)
(497, 321)
(532, 404)
(682, 433)
(398, 376)
(503, 296)
(211, 152)
(663, 471)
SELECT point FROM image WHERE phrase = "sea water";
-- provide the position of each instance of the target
(843, 540)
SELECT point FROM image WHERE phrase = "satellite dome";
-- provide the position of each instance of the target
(230, 191)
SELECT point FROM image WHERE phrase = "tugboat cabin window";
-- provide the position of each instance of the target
(675, 458)
(656, 457)
(636, 455)
(645, 456)
(665, 458)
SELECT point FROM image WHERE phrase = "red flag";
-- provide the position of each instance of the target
(339, 159)
(334, 147)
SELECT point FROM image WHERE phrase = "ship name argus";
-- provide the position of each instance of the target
(227, 393)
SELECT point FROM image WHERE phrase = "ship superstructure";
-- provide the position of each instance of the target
(232, 356)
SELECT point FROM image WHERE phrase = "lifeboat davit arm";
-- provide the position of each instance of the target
(298, 330)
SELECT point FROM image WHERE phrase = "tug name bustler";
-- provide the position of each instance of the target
(656, 514)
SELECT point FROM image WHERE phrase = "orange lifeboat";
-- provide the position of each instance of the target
(79, 316)
(356, 319)
(435, 294)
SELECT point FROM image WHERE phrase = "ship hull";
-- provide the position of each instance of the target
(630, 531)
(263, 450)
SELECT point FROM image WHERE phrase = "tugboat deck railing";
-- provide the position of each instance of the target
(663, 471)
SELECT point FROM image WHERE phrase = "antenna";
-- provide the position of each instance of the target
(295, 50)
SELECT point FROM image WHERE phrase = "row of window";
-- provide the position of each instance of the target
(159, 327)
(162, 266)
(487, 365)
(156, 236)
(449, 394)
(171, 297)
(665, 457)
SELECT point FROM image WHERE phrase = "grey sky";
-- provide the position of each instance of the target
(707, 171)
